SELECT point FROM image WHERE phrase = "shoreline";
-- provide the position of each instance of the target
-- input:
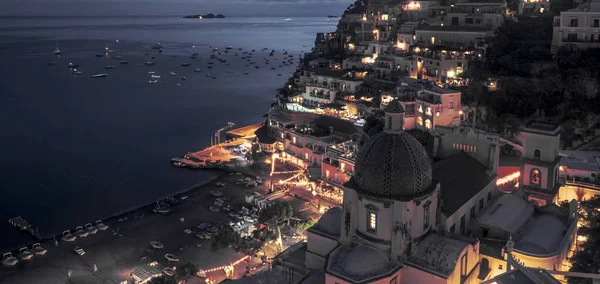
(113, 218)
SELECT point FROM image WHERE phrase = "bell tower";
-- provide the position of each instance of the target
(540, 161)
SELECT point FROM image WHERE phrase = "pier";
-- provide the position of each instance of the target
(23, 225)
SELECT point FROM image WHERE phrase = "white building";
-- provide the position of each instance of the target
(578, 28)
(386, 231)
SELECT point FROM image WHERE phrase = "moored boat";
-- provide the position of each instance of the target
(100, 75)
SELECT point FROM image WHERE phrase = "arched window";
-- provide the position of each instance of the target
(428, 123)
(535, 177)
(419, 120)
(537, 154)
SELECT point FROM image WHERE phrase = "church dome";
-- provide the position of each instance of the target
(393, 165)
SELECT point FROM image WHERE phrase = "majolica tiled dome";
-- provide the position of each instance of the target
(393, 165)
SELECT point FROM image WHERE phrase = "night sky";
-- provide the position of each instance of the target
(172, 8)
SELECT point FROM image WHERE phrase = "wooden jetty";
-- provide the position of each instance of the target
(23, 225)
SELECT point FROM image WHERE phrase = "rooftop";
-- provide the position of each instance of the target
(451, 29)
(340, 125)
(440, 253)
(542, 235)
(461, 177)
(544, 127)
(509, 212)
(358, 263)
(330, 223)
(581, 160)
(262, 134)
(524, 275)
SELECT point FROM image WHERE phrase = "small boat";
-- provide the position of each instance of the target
(171, 257)
(156, 244)
(185, 64)
(77, 72)
(172, 73)
(124, 62)
(57, 51)
(184, 78)
(197, 70)
(229, 47)
(153, 81)
(38, 249)
(91, 229)
(100, 226)
(25, 254)
(71, 65)
(109, 66)
(161, 208)
(117, 57)
(80, 232)
(149, 63)
(155, 76)
(108, 50)
(9, 260)
(68, 237)
(99, 55)
(151, 72)
(101, 75)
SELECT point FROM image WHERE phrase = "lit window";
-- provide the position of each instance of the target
(327, 173)
(535, 177)
(428, 123)
(372, 218)
(419, 120)
(294, 140)
(420, 108)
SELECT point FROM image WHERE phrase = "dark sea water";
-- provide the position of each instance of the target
(74, 149)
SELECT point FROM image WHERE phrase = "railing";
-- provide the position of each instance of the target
(584, 184)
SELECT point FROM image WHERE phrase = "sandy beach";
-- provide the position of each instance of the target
(117, 254)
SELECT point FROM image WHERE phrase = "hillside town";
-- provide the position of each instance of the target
(459, 140)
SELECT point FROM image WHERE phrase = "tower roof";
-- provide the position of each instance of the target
(394, 107)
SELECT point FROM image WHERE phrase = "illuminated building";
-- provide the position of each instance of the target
(386, 231)
(338, 162)
(429, 104)
(579, 173)
(533, 6)
(539, 163)
(577, 28)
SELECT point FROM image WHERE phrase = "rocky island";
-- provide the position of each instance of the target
(206, 16)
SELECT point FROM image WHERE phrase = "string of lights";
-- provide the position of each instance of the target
(508, 178)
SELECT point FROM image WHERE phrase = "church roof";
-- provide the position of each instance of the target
(509, 212)
(358, 263)
(392, 166)
(461, 177)
(440, 253)
(330, 223)
(542, 235)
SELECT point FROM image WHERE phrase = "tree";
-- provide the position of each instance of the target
(587, 256)
(303, 226)
(227, 237)
(185, 271)
(276, 213)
